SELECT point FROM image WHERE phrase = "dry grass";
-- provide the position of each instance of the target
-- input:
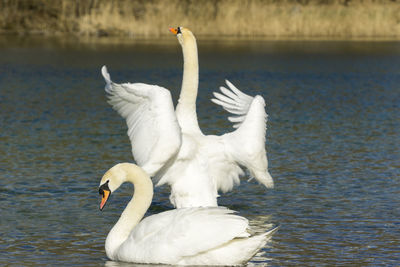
(211, 18)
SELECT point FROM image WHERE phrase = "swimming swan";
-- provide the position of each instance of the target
(187, 236)
(169, 145)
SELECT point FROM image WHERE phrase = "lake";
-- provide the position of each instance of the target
(333, 145)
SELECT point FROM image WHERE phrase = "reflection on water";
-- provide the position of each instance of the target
(333, 135)
(125, 264)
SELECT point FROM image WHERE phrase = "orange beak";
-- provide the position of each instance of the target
(106, 195)
(173, 30)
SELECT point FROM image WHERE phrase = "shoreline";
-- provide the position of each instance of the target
(201, 38)
(208, 19)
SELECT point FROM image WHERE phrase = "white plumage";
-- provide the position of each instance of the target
(169, 145)
(152, 126)
(187, 236)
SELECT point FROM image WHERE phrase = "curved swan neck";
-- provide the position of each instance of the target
(186, 108)
(136, 208)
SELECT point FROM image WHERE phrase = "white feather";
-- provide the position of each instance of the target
(187, 236)
(152, 126)
(171, 147)
(192, 236)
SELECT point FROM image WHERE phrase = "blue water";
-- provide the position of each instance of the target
(333, 145)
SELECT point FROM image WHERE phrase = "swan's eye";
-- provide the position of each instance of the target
(179, 30)
(104, 187)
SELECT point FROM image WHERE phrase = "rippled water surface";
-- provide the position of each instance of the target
(333, 145)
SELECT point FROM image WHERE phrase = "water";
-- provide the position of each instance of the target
(333, 145)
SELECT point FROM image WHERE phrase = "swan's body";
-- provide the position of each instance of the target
(187, 236)
(170, 146)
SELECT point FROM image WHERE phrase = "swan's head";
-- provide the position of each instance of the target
(183, 34)
(110, 182)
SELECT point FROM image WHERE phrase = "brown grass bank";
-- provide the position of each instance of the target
(207, 18)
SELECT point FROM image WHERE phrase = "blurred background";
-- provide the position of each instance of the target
(329, 71)
(208, 18)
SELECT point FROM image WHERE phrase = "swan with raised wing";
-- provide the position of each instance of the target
(187, 236)
(169, 145)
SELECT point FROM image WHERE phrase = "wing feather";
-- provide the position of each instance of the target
(234, 101)
(152, 125)
(187, 232)
(247, 143)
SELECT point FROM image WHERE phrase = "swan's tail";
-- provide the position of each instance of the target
(271, 232)
(261, 240)
(246, 248)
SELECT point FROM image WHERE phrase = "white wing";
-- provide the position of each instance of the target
(152, 125)
(234, 101)
(247, 143)
(172, 235)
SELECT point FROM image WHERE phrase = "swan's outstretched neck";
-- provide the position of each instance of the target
(190, 81)
(136, 208)
(186, 108)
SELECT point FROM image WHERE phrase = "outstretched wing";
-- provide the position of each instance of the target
(247, 143)
(234, 101)
(152, 125)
